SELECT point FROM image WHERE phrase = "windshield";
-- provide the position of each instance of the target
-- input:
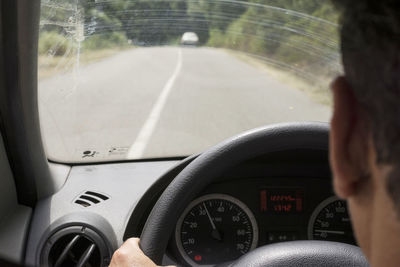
(138, 79)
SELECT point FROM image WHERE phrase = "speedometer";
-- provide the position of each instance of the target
(215, 228)
(330, 221)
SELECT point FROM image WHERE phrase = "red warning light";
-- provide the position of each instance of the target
(197, 258)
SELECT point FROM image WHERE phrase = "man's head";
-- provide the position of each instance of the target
(365, 136)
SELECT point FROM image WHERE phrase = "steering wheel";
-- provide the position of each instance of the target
(212, 163)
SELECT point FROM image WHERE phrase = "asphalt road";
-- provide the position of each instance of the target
(162, 101)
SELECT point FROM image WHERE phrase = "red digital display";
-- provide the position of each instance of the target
(281, 200)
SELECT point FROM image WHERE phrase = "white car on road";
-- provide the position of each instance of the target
(189, 38)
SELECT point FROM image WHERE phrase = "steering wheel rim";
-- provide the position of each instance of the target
(212, 163)
(303, 253)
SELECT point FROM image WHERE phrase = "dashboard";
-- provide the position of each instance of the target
(280, 196)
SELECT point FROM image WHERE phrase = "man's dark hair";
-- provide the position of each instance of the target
(370, 44)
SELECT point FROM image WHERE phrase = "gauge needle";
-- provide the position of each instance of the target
(215, 233)
(330, 232)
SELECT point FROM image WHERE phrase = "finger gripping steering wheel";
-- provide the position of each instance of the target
(212, 163)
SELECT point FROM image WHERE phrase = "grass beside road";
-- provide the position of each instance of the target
(51, 65)
(319, 92)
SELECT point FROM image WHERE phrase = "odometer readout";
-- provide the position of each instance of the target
(214, 229)
(281, 200)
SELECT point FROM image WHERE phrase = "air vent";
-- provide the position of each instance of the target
(90, 198)
(75, 246)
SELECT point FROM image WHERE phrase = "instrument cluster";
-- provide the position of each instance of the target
(233, 217)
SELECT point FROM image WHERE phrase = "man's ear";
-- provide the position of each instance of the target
(348, 140)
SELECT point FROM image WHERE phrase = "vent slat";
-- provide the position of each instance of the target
(103, 197)
(85, 257)
(66, 250)
(82, 203)
(89, 198)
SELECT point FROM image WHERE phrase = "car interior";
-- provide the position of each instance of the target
(261, 198)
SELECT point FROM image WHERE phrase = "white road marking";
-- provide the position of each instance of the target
(138, 147)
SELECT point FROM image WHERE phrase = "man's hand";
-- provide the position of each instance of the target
(130, 255)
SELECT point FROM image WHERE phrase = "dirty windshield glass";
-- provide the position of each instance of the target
(133, 79)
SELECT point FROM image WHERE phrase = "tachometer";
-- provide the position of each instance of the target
(215, 228)
(330, 221)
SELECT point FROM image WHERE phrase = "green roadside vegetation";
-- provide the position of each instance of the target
(299, 37)
(50, 65)
(59, 53)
